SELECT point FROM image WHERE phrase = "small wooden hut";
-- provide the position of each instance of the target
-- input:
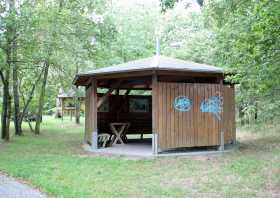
(190, 104)
(65, 103)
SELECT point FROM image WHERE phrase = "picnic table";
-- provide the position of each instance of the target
(119, 130)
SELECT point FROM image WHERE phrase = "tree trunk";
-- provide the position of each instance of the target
(4, 112)
(241, 114)
(29, 99)
(7, 138)
(18, 130)
(77, 101)
(5, 108)
(44, 83)
(256, 111)
(77, 107)
(10, 35)
(41, 99)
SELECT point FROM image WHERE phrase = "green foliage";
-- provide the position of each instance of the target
(239, 35)
(57, 32)
(242, 37)
(247, 35)
(186, 37)
(134, 38)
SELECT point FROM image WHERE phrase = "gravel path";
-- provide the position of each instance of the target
(11, 188)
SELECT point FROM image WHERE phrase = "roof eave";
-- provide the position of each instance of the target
(149, 71)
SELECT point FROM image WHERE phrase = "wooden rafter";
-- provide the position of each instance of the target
(104, 97)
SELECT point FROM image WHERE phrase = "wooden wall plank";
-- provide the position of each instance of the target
(172, 110)
(155, 110)
(195, 115)
(164, 116)
(191, 134)
(229, 114)
(183, 121)
(160, 111)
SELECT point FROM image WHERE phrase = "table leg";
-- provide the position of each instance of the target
(118, 135)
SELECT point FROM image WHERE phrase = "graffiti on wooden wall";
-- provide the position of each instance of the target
(182, 103)
(213, 105)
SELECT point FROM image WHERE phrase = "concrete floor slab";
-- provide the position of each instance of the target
(143, 149)
(134, 148)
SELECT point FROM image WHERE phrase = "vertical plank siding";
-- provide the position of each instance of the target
(229, 114)
(155, 108)
(175, 128)
(193, 128)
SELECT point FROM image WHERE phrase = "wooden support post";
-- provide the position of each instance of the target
(222, 141)
(154, 114)
(221, 130)
(91, 133)
(233, 110)
(87, 139)
(155, 143)
(94, 114)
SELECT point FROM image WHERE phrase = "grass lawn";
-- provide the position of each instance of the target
(55, 163)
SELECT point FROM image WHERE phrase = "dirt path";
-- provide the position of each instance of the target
(11, 188)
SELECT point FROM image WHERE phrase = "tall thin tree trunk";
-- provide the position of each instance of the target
(10, 35)
(13, 44)
(7, 137)
(77, 107)
(44, 82)
(18, 130)
(77, 102)
(256, 111)
(241, 114)
(4, 112)
(5, 120)
(41, 99)
(28, 101)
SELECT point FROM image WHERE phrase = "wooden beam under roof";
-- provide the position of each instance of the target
(104, 97)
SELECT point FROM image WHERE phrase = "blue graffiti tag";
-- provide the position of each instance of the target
(182, 103)
(212, 105)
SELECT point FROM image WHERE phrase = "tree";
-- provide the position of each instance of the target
(241, 36)
(7, 45)
(247, 34)
(134, 36)
(42, 41)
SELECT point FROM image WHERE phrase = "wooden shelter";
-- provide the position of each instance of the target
(190, 104)
(65, 103)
